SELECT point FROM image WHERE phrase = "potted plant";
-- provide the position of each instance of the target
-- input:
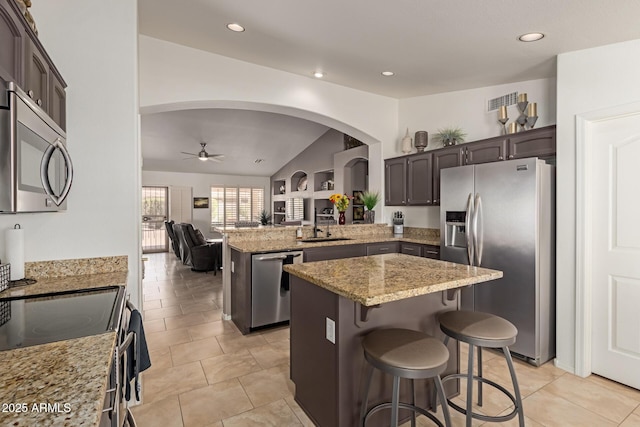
(265, 217)
(450, 136)
(370, 200)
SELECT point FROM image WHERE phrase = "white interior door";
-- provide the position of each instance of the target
(180, 208)
(615, 247)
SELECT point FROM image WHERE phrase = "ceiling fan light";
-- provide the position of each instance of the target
(203, 158)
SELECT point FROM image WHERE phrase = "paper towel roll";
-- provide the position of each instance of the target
(14, 250)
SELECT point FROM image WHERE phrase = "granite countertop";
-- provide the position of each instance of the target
(69, 283)
(386, 278)
(71, 376)
(252, 246)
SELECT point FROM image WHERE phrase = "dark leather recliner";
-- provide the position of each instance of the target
(196, 252)
(175, 244)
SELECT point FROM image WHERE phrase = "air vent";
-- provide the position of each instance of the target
(508, 99)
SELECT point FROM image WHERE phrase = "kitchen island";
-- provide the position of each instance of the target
(335, 303)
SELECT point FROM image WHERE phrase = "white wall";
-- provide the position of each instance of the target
(174, 74)
(466, 109)
(201, 184)
(94, 45)
(174, 77)
(588, 80)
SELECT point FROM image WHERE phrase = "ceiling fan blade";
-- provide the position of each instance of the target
(191, 154)
(215, 159)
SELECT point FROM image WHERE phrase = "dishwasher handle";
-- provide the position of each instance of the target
(277, 257)
(271, 258)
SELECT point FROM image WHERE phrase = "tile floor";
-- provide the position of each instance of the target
(205, 373)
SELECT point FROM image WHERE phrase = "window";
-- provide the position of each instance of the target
(233, 204)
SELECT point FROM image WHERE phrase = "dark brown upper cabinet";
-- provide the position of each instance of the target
(415, 179)
(37, 76)
(395, 177)
(420, 179)
(445, 158)
(11, 43)
(535, 143)
(485, 151)
(24, 60)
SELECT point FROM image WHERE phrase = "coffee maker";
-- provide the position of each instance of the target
(398, 224)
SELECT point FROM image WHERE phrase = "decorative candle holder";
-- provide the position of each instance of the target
(522, 118)
(503, 119)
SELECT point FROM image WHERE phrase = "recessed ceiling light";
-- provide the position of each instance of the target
(530, 37)
(258, 161)
(318, 74)
(388, 73)
(235, 27)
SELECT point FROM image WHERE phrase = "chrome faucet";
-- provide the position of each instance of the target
(315, 223)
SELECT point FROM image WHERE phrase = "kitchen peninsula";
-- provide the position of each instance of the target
(334, 303)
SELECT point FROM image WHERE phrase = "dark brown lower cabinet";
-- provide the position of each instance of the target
(414, 249)
(382, 248)
(429, 251)
(328, 376)
(241, 290)
(334, 252)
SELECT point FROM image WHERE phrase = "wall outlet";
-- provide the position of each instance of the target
(331, 330)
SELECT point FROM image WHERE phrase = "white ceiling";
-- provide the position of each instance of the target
(241, 136)
(433, 46)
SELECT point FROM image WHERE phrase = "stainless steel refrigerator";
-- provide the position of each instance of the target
(502, 216)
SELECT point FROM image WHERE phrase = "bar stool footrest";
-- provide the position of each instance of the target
(495, 419)
(403, 406)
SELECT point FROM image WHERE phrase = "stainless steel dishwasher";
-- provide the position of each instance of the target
(270, 287)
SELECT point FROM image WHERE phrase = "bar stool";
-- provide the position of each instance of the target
(404, 353)
(482, 330)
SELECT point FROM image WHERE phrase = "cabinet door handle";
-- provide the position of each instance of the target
(30, 93)
(39, 102)
(433, 252)
(500, 158)
(511, 156)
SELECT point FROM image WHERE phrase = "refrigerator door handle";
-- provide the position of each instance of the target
(467, 228)
(478, 232)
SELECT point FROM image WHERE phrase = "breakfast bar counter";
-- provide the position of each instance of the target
(335, 303)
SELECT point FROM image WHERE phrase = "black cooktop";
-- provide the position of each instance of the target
(47, 318)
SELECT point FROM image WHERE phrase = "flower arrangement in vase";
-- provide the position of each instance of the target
(341, 202)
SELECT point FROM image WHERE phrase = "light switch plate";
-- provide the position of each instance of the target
(331, 330)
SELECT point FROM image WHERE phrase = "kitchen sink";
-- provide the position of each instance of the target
(325, 239)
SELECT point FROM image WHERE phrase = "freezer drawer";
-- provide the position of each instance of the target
(270, 287)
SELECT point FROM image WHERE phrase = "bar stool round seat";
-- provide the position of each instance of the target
(404, 353)
(482, 330)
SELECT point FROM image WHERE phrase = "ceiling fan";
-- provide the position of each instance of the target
(203, 155)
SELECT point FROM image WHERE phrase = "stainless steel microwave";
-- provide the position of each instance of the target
(35, 167)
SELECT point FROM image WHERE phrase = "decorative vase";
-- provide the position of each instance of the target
(421, 140)
(341, 218)
(406, 143)
(369, 217)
